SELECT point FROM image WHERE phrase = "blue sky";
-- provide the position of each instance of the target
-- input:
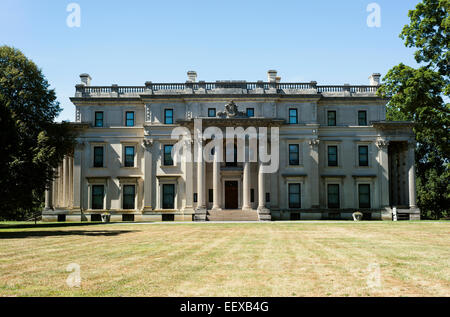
(130, 42)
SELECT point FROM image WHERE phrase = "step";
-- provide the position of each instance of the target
(232, 215)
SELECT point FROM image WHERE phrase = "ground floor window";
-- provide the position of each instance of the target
(333, 196)
(294, 196)
(168, 196)
(97, 196)
(364, 195)
(129, 192)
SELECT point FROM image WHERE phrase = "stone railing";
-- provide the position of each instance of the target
(231, 87)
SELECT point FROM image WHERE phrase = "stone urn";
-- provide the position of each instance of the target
(106, 217)
(357, 216)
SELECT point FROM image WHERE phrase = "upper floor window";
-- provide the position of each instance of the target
(212, 112)
(333, 196)
(99, 118)
(168, 161)
(364, 195)
(332, 155)
(363, 155)
(98, 192)
(168, 116)
(129, 118)
(294, 196)
(331, 118)
(294, 156)
(293, 116)
(362, 117)
(129, 156)
(98, 156)
(250, 112)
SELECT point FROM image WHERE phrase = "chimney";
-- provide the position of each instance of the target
(85, 79)
(192, 76)
(272, 76)
(278, 79)
(374, 79)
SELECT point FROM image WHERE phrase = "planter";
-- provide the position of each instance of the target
(357, 216)
(106, 218)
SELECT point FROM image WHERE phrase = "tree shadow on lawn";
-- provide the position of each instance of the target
(42, 234)
(31, 225)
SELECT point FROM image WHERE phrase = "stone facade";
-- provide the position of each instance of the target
(337, 153)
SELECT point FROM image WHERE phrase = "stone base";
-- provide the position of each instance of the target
(200, 214)
(386, 214)
(264, 214)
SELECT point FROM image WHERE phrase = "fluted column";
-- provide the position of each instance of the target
(412, 175)
(66, 182)
(314, 172)
(147, 144)
(49, 198)
(261, 188)
(77, 178)
(216, 181)
(201, 202)
(246, 185)
(189, 203)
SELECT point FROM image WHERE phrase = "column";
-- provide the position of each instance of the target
(70, 197)
(261, 188)
(188, 181)
(314, 172)
(216, 181)
(201, 202)
(246, 185)
(148, 166)
(76, 177)
(412, 175)
(49, 198)
(383, 160)
(55, 190)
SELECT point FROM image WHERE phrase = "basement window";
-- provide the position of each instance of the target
(128, 218)
(168, 217)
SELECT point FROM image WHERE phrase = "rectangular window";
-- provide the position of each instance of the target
(293, 116)
(168, 116)
(294, 196)
(333, 196)
(129, 156)
(168, 161)
(97, 196)
(212, 112)
(332, 156)
(129, 192)
(250, 112)
(363, 155)
(98, 156)
(99, 119)
(331, 118)
(294, 156)
(364, 195)
(362, 118)
(252, 195)
(129, 119)
(210, 195)
(168, 196)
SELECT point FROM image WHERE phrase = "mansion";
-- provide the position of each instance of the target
(336, 154)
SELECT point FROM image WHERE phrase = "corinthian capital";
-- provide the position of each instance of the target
(314, 142)
(147, 143)
(382, 144)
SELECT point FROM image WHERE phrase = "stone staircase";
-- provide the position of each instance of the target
(232, 215)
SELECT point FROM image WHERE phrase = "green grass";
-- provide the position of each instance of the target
(257, 259)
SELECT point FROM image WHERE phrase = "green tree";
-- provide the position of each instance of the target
(420, 95)
(31, 143)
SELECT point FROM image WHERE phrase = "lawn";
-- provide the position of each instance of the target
(209, 259)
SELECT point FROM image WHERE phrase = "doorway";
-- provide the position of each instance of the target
(231, 195)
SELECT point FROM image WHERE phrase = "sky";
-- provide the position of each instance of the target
(131, 42)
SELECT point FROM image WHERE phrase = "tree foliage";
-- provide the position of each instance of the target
(420, 95)
(31, 143)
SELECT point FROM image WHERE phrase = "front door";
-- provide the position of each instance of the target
(231, 195)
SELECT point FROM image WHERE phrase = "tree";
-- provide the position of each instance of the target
(420, 95)
(31, 143)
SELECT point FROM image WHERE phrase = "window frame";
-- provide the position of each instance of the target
(329, 162)
(247, 112)
(213, 110)
(166, 161)
(338, 204)
(97, 120)
(133, 119)
(124, 196)
(365, 118)
(290, 116)
(360, 162)
(166, 117)
(297, 161)
(163, 205)
(328, 118)
(291, 204)
(360, 204)
(93, 196)
(94, 161)
(125, 155)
